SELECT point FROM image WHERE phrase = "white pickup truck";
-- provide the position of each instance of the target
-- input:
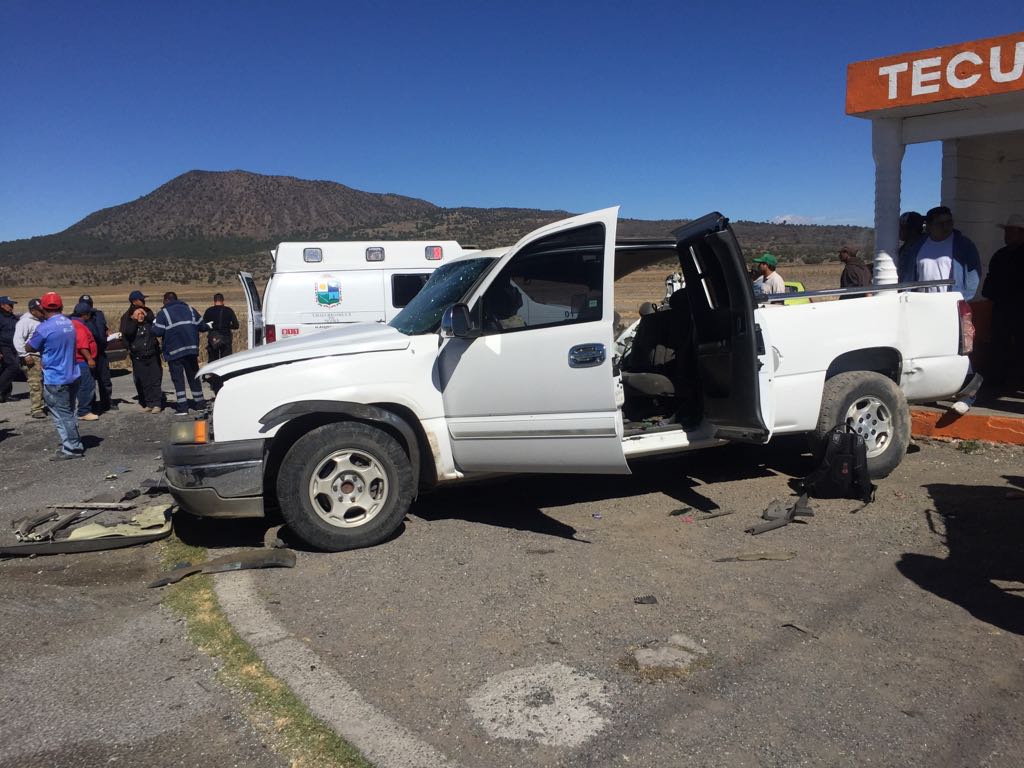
(503, 364)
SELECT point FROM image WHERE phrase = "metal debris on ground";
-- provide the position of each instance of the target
(117, 505)
(239, 561)
(596, 515)
(43, 527)
(748, 557)
(645, 600)
(150, 524)
(778, 515)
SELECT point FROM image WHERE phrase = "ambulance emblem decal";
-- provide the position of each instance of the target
(328, 291)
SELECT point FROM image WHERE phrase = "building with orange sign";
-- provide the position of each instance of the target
(971, 98)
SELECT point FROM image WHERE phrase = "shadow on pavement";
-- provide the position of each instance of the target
(221, 534)
(517, 502)
(500, 504)
(6, 432)
(984, 535)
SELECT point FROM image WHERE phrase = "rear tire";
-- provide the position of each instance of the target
(344, 486)
(874, 407)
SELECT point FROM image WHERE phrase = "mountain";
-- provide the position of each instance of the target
(236, 204)
(204, 218)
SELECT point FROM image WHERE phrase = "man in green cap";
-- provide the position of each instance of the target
(770, 281)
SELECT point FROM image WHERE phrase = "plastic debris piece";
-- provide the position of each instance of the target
(596, 515)
(239, 561)
(748, 557)
(798, 628)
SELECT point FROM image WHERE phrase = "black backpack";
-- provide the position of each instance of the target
(144, 344)
(843, 472)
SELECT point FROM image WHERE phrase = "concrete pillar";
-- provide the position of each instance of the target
(887, 149)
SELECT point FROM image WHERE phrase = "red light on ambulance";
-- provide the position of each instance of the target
(434, 252)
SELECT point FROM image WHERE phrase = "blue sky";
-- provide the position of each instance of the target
(670, 109)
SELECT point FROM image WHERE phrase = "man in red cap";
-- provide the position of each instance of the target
(55, 340)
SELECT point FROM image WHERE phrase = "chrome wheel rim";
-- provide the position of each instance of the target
(348, 488)
(870, 418)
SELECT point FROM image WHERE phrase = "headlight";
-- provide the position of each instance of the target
(190, 432)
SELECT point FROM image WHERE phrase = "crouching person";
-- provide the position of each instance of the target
(179, 325)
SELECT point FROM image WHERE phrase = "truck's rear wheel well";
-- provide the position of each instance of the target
(296, 427)
(883, 360)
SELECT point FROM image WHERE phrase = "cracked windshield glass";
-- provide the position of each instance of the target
(445, 287)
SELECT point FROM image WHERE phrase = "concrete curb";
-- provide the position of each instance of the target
(930, 422)
(381, 740)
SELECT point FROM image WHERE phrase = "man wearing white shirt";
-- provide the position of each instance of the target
(770, 281)
(23, 331)
(945, 254)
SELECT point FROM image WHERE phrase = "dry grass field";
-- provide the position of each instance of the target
(630, 293)
(649, 284)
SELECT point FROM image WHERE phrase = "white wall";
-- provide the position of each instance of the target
(983, 183)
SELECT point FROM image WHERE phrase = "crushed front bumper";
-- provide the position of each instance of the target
(217, 479)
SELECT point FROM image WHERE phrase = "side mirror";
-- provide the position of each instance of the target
(457, 323)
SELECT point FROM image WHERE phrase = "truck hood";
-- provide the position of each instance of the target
(347, 340)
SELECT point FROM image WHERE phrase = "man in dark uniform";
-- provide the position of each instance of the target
(222, 322)
(10, 365)
(97, 324)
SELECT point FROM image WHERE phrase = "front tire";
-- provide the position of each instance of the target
(344, 486)
(873, 406)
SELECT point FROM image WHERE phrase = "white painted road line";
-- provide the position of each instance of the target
(381, 740)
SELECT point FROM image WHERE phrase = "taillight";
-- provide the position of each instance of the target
(269, 333)
(966, 328)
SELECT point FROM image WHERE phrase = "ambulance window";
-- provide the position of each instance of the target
(405, 287)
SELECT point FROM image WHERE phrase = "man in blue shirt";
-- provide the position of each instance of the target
(55, 339)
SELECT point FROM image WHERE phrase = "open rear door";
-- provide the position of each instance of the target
(255, 305)
(730, 348)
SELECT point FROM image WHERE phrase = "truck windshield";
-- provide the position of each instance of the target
(445, 287)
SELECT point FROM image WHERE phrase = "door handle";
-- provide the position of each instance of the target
(587, 355)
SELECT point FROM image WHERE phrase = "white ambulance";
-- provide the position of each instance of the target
(319, 285)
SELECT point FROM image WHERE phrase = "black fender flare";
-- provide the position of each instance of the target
(355, 411)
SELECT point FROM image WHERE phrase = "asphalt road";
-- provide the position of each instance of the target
(499, 626)
(95, 671)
